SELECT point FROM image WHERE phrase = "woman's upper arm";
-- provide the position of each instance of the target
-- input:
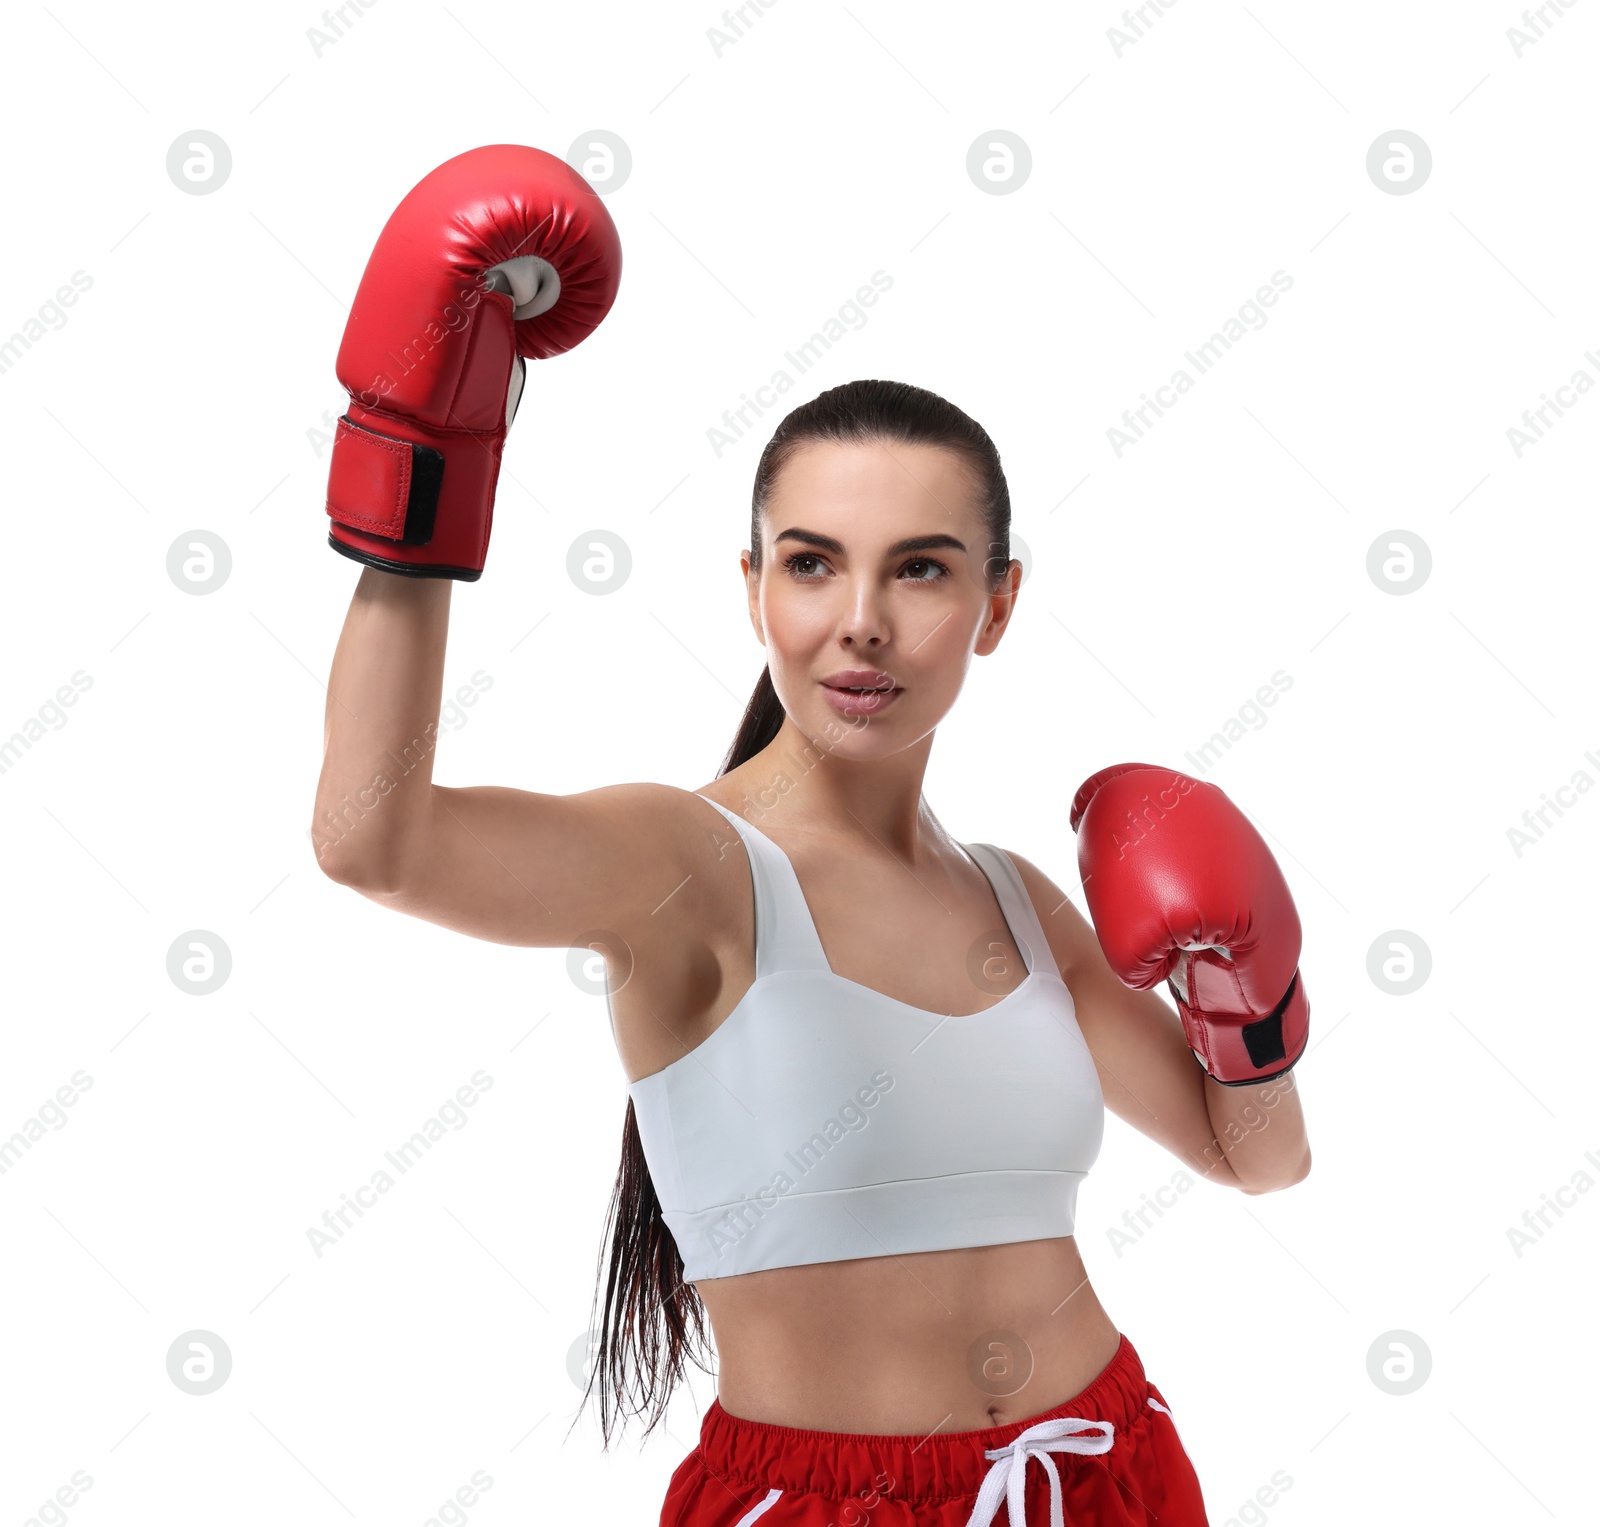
(1147, 1072)
(552, 871)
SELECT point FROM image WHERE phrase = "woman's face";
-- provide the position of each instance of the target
(875, 575)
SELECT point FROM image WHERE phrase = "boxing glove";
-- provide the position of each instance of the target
(501, 255)
(1183, 889)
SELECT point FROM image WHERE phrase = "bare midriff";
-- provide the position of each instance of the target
(938, 1341)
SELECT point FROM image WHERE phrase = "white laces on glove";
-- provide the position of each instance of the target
(1009, 1475)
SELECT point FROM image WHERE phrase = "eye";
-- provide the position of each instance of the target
(790, 565)
(943, 571)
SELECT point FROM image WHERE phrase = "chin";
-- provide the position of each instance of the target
(861, 738)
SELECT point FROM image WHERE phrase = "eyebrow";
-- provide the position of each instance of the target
(911, 543)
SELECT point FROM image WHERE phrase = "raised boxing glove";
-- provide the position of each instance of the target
(501, 255)
(1183, 889)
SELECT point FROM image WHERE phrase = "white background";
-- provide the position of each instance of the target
(1170, 178)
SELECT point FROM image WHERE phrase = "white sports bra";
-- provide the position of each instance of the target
(823, 1121)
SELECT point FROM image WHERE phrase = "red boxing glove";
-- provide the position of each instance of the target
(1182, 888)
(502, 253)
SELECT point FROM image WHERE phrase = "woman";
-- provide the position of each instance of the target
(866, 1063)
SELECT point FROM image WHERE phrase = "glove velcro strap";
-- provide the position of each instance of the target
(383, 486)
(1265, 1044)
(1263, 1039)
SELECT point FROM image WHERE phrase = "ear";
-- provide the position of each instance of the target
(1001, 603)
(753, 593)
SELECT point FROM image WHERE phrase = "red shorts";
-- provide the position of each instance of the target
(1114, 1450)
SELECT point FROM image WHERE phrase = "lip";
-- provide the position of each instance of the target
(840, 689)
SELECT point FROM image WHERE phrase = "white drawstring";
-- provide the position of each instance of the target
(1009, 1475)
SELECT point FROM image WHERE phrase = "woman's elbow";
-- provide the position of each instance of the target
(369, 873)
(1275, 1182)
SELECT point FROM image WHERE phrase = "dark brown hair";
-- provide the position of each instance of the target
(653, 1321)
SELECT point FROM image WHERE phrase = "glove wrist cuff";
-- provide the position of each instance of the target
(410, 499)
(384, 486)
(1239, 1050)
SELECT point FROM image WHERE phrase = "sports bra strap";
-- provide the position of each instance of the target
(786, 935)
(1016, 906)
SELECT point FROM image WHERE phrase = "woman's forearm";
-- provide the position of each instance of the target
(373, 802)
(1260, 1132)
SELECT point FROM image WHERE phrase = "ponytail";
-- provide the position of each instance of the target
(763, 716)
(653, 1323)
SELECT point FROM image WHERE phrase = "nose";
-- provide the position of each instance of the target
(864, 622)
